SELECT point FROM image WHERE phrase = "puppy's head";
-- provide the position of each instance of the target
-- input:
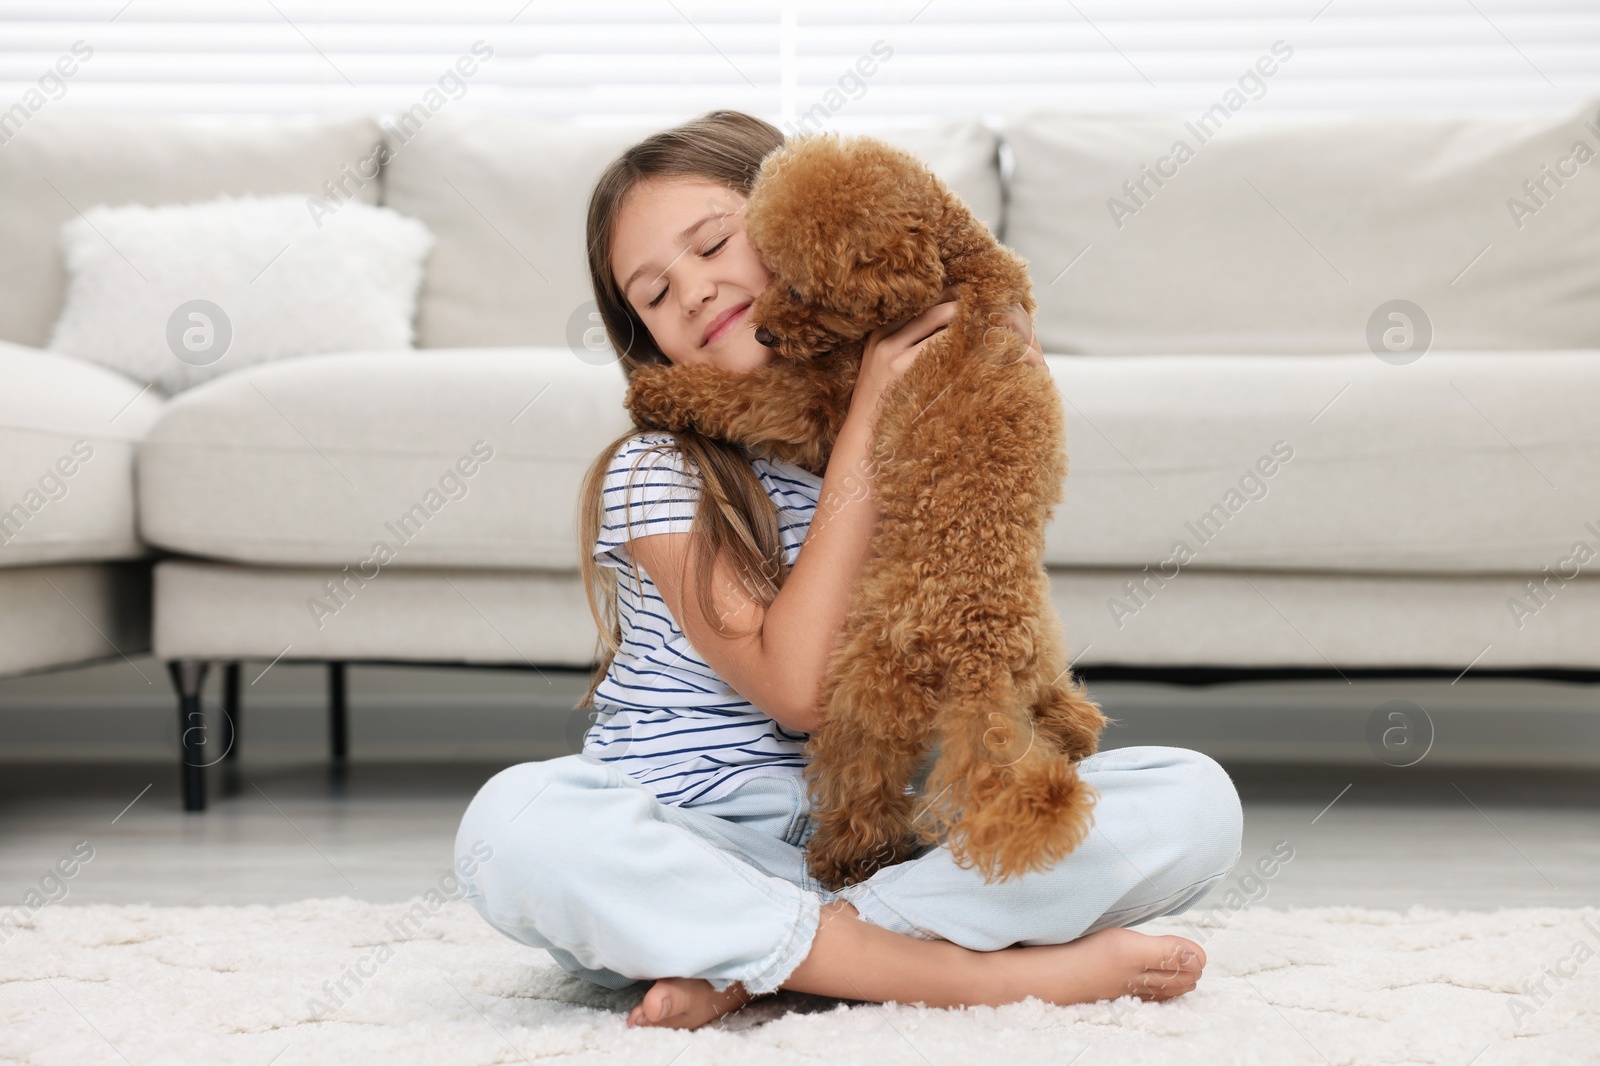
(849, 229)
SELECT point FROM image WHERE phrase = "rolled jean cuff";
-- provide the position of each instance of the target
(874, 911)
(787, 955)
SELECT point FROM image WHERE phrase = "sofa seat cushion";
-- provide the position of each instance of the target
(68, 434)
(1459, 462)
(448, 457)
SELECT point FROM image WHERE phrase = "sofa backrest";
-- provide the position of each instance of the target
(506, 196)
(65, 162)
(1152, 234)
(1278, 234)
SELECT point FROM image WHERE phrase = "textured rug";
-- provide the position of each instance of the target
(341, 981)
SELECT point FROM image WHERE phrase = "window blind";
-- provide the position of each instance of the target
(837, 65)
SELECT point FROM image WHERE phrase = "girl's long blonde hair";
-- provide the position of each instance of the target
(741, 524)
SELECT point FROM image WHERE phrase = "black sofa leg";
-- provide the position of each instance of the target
(338, 716)
(188, 677)
(230, 713)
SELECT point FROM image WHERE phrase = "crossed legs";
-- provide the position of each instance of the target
(619, 887)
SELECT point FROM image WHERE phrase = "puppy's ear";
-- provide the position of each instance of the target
(852, 224)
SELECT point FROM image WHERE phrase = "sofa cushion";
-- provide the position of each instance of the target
(966, 156)
(1465, 462)
(1459, 462)
(65, 162)
(68, 432)
(468, 457)
(507, 197)
(1284, 236)
(235, 281)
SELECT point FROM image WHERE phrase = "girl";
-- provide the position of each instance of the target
(672, 848)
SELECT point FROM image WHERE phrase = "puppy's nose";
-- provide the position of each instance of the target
(764, 336)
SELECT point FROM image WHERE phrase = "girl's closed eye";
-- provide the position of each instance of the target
(707, 254)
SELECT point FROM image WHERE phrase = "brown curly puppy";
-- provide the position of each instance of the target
(950, 637)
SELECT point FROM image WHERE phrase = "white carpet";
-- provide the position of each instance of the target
(103, 984)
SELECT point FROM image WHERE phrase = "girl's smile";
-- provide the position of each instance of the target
(719, 326)
(682, 260)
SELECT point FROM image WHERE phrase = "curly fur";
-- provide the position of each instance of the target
(950, 636)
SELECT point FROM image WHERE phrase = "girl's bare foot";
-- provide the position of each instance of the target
(1104, 965)
(686, 1003)
(853, 959)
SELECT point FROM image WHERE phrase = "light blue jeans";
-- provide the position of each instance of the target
(585, 862)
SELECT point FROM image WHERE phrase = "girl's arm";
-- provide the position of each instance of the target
(777, 658)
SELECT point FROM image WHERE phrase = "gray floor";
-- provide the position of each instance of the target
(1446, 832)
(1364, 836)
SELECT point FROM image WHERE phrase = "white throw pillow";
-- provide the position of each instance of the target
(181, 293)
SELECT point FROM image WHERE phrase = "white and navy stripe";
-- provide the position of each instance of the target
(662, 714)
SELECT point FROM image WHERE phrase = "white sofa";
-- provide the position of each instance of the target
(1342, 512)
(72, 586)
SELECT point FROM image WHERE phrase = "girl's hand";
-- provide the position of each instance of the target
(891, 349)
(1021, 323)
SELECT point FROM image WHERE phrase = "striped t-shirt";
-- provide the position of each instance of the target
(663, 715)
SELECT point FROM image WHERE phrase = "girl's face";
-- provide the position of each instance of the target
(680, 256)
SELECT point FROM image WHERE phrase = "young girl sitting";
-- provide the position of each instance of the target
(673, 848)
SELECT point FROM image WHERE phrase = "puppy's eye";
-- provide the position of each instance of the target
(794, 294)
